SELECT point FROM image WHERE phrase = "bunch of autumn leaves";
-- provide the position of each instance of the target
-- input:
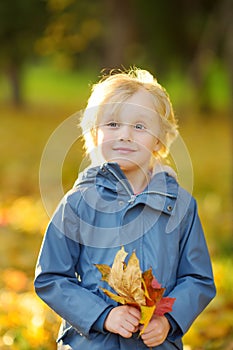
(135, 288)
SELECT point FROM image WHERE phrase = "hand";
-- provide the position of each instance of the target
(123, 320)
(156, 332)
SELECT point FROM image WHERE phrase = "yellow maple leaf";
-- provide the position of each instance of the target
(119, 299)
(125, 279)
(105, 271)
(146, 314)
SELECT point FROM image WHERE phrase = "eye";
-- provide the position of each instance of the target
(112, 125)
(139, 126)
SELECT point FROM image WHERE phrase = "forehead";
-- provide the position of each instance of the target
(140, 104)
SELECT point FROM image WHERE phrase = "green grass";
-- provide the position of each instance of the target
(56, 86)
(47, 85)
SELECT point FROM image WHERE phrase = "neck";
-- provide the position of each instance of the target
(138, 180)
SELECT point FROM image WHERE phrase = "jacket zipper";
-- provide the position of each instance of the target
(132, 195)
(119, 179)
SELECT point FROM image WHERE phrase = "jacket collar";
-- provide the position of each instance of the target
(160, 194)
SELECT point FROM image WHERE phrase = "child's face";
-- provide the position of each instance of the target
(130, 135)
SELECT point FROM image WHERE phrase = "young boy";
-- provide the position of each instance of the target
(127, 197)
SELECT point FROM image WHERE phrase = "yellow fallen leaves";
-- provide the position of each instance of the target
(135, 288)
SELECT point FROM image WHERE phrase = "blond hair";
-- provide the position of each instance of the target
(114, 89)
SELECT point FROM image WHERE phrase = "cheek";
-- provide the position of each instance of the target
(103, 142)
(99, 137)
(104, 137)
(149, 143)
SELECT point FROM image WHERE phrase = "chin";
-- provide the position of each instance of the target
(122, 162)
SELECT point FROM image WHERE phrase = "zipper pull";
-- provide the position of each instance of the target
(132, 199)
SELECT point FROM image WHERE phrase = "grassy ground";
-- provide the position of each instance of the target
(26, 323)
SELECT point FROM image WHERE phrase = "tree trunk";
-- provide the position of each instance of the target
(119, 33)
(14, 78)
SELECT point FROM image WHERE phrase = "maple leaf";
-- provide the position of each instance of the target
(153, 290)
(125, 279)
(133, 287)
(146, 315)
(164, 305)
(105, 271)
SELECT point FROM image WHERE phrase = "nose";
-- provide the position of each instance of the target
(125, 132)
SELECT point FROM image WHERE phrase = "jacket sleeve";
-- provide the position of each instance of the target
(195, 285)
(56, 281)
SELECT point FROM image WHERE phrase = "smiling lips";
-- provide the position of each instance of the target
(124, 150)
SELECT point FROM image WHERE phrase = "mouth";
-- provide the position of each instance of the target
(123, 150)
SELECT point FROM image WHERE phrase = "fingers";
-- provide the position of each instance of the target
(151, 339)
(126, 330)
(130, 317)
(156, 332)
(134, 312)
(123, 320)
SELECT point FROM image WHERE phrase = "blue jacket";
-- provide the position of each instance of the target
(98, 216)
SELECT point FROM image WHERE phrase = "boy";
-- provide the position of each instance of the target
(127, 197)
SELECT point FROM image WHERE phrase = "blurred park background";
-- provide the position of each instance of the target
(51, 51)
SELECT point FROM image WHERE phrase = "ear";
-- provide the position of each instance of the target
(157, 145)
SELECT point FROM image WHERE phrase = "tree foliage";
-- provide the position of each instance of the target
(183, 35)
